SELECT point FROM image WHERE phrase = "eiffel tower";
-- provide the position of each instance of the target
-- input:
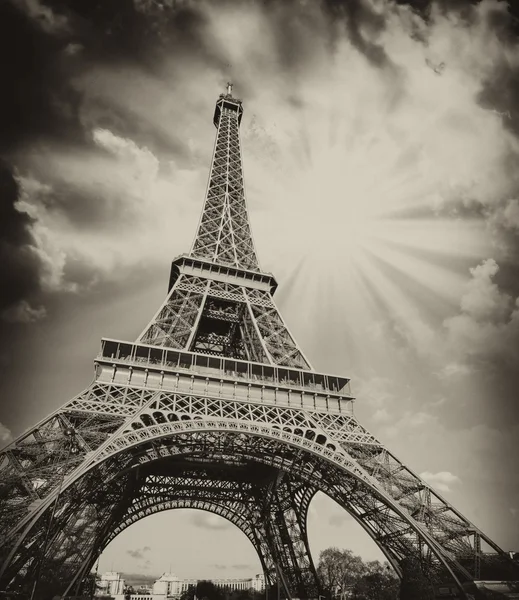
(216, 407)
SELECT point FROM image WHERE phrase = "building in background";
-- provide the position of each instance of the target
(111, 584)
(169, 585)
(258, 582)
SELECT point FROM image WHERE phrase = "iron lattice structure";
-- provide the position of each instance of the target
(216, 407)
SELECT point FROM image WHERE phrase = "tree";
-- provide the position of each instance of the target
(128, 591)
(378, 583)
(240, 595)
(414, 585)
(206, 590)
(345, 576)
(188, 594)
(338, 571)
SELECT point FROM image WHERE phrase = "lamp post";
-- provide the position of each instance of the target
(72, 448)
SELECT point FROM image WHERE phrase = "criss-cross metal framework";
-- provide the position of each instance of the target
(216, 407)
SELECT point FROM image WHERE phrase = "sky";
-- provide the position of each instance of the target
(380, 143)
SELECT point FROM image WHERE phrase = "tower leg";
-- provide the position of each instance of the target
(284, 514)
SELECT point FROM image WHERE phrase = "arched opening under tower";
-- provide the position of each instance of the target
(263, 476)
(191, 544)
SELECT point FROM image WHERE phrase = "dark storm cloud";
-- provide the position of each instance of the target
(359, 17)
(501, 93)
(37, 105)
(19, 264)
(45, 47)
(40, 101)
(294, 30)
(463, 9)
(37, 101)
(140, 31)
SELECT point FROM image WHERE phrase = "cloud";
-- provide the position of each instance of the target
(23, 312)
(5, 435)
(43, 16)
(39, 103)
(488, 323)
(242, 567)
(441, 481)
(19, 260)
(205, 520)
(52, 257)
(139, 553)
(336, 520)
(506, 215)
(107, 178)
(220, 567)
(145, 566)
(139, 577)
(483, 300)
(410, 420)
(454, 370)
(378, 391)
(381, 415)
(143, 163)
(91, 221)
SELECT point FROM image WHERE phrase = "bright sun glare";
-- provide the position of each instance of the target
(370, 227)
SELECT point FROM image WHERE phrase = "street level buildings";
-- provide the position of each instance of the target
(169, 586)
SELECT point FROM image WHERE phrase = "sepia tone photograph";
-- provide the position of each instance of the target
(259, 300)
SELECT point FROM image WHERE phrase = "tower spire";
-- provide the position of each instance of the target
(224, 234)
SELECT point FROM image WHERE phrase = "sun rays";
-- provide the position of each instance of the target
(372, 233)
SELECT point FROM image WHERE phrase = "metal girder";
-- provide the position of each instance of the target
(284, 512)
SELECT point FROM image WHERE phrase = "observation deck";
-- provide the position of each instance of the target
(128, 363)
(227, 103)
(199, 267)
